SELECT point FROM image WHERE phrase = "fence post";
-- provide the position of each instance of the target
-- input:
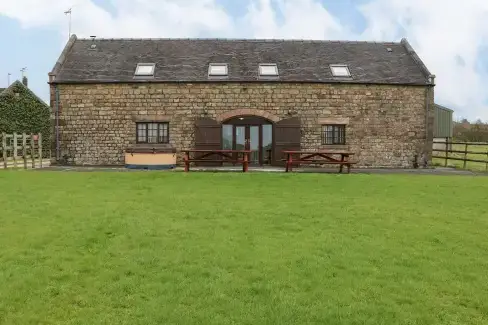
(32, 151)
(465, 155)
(4, 149)
(15, 150)
(447, 153)
(24, 149)
(39, 144)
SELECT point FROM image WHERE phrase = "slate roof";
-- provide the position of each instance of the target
(187, 60)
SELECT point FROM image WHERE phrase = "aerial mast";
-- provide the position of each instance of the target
(68, 12)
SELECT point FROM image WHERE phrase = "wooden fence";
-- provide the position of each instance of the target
(22, 151)
(476, 154)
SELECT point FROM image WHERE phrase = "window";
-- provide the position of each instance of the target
(145, 69)
(268, 70)
(334, 134)
(218, 70)
(152, 132)
(340, 70)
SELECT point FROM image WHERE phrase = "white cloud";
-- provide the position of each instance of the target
(302, 19)
(133, 18)
(447, 34)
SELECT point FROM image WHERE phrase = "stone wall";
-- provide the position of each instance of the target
(386, 124)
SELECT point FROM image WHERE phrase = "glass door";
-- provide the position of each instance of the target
(227, 137)
(267, 143)
(256, 138)
(253, 144)
(241, 138)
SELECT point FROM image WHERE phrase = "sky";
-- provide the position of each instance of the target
(450, 36)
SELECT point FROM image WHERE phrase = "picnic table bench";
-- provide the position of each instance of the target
(231, 156)
(320, 157)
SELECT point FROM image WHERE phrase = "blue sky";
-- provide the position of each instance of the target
(450, 36)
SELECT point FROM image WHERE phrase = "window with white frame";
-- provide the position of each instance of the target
(218, 70)
(268, 70)
(145, 70)
(340, 70)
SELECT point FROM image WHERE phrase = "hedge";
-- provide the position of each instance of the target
(21, 111)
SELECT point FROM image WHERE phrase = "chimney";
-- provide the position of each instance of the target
(431, 80)
(93, 45)
(25, 81)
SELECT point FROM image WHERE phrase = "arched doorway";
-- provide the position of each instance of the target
(267, 138)
(248, 132)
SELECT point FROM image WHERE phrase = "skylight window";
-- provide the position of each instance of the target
(218, 70)
(145, 70)
(340, 70)
(268, 70)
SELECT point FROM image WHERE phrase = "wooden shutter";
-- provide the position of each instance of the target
(287, 137)
(208, 136)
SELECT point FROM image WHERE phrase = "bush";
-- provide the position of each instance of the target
(21, 111)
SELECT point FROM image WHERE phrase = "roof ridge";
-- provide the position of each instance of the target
(240, 40)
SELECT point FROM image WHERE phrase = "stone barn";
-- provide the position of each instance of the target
(374, 99)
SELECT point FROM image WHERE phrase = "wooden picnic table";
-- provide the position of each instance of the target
(232, 156)
(320, 157)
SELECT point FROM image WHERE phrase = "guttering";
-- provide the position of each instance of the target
(162, 81)
(428, 90)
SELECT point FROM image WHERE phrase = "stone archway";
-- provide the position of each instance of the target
(247, 112)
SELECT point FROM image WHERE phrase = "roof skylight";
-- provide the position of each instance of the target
(218, 70)
(268, 70)
(145, 69)
(340, 70)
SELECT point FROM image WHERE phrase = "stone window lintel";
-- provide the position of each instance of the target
(151, 118)
(334, 120)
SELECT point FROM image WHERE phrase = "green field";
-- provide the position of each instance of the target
(233, 248)
(476, 166)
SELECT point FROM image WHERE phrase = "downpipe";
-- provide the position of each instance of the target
(57, 124)
(425, 150)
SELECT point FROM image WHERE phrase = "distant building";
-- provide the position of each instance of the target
(443, 126)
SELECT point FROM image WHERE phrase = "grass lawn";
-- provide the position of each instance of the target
(204, 248)
(476, 166)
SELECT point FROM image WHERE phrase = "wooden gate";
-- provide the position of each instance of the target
(287, 137)
(208, 136)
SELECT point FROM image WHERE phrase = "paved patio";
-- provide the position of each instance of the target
(268, 169)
